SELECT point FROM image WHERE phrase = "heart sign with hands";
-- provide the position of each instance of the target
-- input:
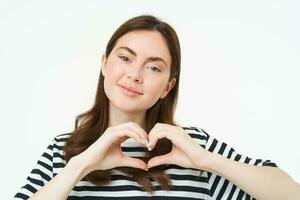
(106, 153)
(186, 152)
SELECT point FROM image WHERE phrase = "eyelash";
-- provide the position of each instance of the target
(126, 59)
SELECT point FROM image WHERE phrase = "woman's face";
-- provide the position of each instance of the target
(140, 60)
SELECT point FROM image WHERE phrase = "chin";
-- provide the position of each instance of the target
(128, 107)
(131, 110)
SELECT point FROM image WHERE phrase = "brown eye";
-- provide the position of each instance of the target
(126, 59)
(154, 68)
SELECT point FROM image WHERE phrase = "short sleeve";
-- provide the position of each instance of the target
(221, 188)
(39, 175)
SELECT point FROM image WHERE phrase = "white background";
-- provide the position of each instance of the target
(239, 80)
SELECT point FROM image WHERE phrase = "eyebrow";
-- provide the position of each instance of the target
(152, 58)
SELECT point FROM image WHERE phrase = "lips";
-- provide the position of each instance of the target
(131, 89)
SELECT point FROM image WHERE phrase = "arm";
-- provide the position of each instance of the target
(61, 185)
(222, 162)
(261, 182)
(105, 153)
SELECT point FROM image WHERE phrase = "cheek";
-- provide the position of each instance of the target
(156, 88)
(115, 70)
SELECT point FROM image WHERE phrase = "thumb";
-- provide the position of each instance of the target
(134, 162)
(159, 160)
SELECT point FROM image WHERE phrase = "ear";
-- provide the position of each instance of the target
(103, 66)
(168, 88)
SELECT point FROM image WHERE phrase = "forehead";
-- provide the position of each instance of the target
(145, 44)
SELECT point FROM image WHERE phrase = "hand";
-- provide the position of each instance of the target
(106, 152)
(186, 152)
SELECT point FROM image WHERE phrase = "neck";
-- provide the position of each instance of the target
(117, 117)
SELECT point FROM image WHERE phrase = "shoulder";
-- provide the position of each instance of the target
(59, 141)
(198, 134)
(62, 137)
(206, 140)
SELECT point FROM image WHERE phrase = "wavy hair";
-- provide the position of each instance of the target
(90, 125)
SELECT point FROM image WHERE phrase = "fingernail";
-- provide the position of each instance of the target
(148, 146)
(145, 143)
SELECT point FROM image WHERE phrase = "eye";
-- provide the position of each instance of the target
(124, 58)
(153, 67)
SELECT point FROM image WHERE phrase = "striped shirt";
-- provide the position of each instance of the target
(187, 183)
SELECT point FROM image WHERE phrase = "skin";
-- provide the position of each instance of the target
(148, 77)
(127, 114)
(126, 120)
(185, 152)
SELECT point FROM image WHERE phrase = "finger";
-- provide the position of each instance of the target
(125, 133)
(133, 162)
(159, 160)
(174, 133)
(158, 134)
(135, 128)
(156, 127)
(142, 133)
(179, 138)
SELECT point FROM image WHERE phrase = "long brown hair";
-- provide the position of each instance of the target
(90, 125)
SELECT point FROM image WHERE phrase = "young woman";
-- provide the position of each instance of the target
(127, 146)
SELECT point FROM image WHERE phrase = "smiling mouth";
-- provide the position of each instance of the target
(129, 92)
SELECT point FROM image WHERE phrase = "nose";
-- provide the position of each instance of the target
(134, 75)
